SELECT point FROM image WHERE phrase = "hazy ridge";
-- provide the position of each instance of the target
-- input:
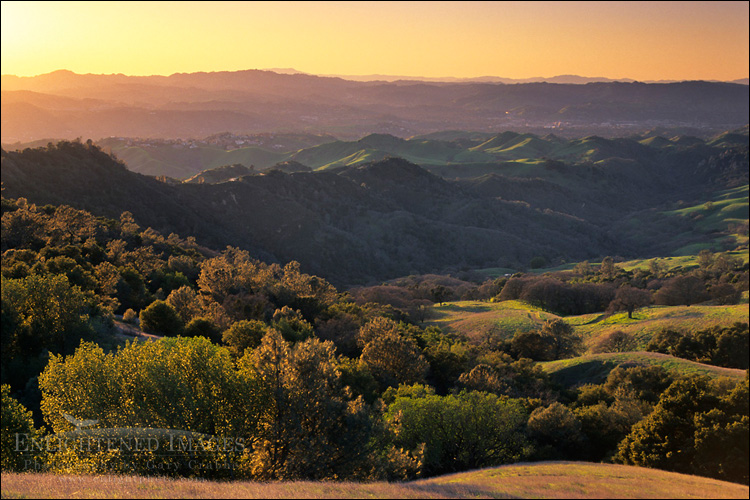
(66, 105)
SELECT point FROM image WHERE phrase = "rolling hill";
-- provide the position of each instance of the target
(508, 154)
(477, 321)
(378, 220)
(594, 368)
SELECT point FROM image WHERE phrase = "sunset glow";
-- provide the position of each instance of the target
(641, 40)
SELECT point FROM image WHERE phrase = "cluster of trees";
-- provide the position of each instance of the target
(719, 277)
(316, 383)
(694, 429)
(718, 346)
(285, 403)
(288, 413)
(66, 273)
(555, 295)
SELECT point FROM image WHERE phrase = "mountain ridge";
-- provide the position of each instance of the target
(186, 105)
(376, 220)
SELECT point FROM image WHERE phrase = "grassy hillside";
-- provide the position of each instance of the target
(717, 220)
(523, 480)
(594, 368)
(649, 320)
(478, 321)
(673, 263)
(726, 209)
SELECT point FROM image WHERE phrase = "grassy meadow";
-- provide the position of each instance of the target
(479, 321)
(649, 320)
(522, 480)
(594, 368)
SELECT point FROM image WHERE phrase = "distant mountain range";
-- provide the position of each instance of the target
(65, 105)
(575, 79)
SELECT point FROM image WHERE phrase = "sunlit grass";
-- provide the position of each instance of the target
(477, 320)
(594, 368)
(523, 480)
(648, 321)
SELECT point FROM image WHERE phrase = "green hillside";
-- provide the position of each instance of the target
(729, 139)
(496, 142)
(649, 320)
(478, 321)
(361, 156)
(519, 147)
(325, 154)
(594, 368)
(258, 157)
(657, 142)
(725, 210)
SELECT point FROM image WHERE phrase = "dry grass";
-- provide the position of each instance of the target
(589, 480)
(523, 480)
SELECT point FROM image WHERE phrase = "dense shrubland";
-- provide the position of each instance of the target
(309, 382)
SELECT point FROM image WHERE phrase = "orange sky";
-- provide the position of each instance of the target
(641, 40)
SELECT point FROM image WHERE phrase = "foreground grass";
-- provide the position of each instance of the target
(594, 368)
(523, 480)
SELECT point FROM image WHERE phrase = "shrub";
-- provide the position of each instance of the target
(16, 420)
(162, 319)
(129, 316)
(617, 341)
(242, 335)
(468, 430)
(203, 327)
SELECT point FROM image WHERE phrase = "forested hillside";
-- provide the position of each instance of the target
(375, 220)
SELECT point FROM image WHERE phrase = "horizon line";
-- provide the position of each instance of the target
(391, 77)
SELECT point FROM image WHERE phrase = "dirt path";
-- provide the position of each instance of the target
(129, 331)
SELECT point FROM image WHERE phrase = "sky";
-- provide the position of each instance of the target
(639, 40)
